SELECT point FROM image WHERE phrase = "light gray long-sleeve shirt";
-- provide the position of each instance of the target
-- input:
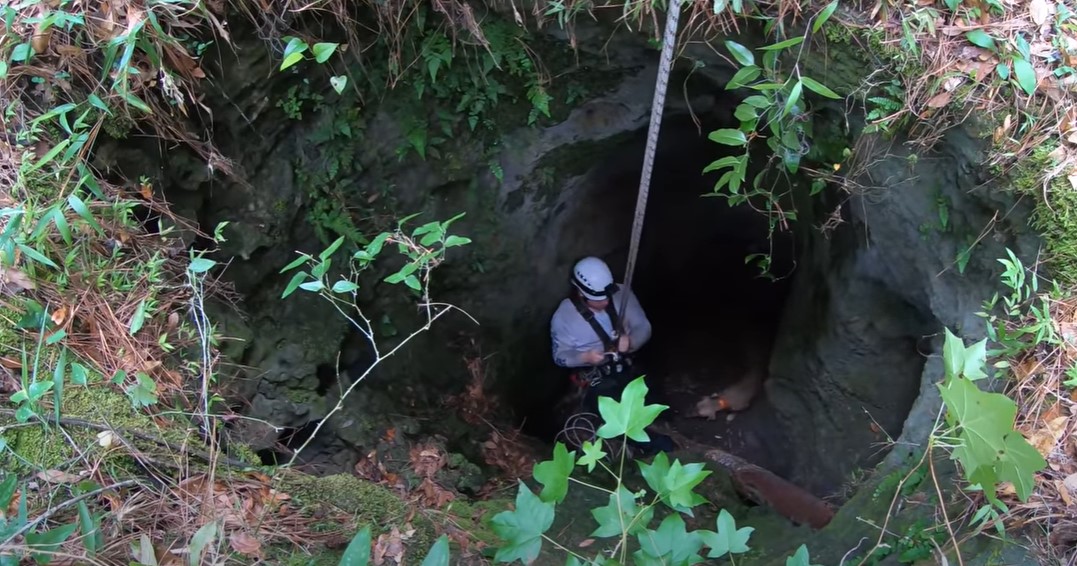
(573, 336)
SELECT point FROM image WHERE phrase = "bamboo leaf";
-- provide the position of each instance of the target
(824, 15)
(742, 54)
(819, 88)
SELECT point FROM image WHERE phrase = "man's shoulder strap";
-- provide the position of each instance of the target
(589, 316)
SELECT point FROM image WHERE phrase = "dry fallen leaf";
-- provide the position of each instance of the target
(56, 476)
(939, 100)
(1064, 493)
(13, 278)
(1040, 10)
(1071, 483)
(59, 315)
(1072, 178)
(1047, 437)
(245, 544)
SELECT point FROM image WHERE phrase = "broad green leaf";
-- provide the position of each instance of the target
(87, 529)
(980, 38)
(743, 77)
(20, 396)
(358, 551)
(3, 69)
(138, 319)
(721, 164)
(819, 88)
(953, 4)
(37, 256)
(553, 474)
(592, 453)
(783, 44)
(39, 388)
(618, 515)
(742, 54)
(82, 210)
(439, 553)
(974, 361)
(96, 102)
(674, 483)
(824, 15)
(201, 265)
(312, 286)
(319, 270)
(78, 373)
(322, 51)
(729, 539)
(953, 355)
(799, 558)
(43, 545)
(746, 112)
(413, 282)
(344, 286)
(794, 97)
(987, 439)
(452, 241)
(294, 283)
(23, 413)
(1026, 75)
(295, 263)
(728, 136)
(332, 249)
(21, 52)
(523, 527)
(202, 538)
(1003, 71)
(629, 416)
(670, 544)
(137, 102)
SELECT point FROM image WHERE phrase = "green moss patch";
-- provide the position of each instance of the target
(1055, 214)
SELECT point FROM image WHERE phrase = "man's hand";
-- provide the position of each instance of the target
(623, 343)
(593, 357)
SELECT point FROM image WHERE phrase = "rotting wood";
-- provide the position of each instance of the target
(765, 487)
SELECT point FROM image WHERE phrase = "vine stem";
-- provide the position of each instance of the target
(942, 502)
(595, 487)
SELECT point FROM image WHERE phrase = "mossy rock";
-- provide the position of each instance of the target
(1055, 215)
(368, 503)
(36, 446)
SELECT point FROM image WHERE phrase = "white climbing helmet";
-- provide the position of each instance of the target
(592, 277)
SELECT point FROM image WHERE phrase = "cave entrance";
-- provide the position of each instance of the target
(708, 307)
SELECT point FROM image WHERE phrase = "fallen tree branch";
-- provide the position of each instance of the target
(69, 421)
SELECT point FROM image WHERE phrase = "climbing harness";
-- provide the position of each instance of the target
(664, 66)
(608, 342)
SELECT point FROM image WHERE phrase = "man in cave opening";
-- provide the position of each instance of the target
(597, 344)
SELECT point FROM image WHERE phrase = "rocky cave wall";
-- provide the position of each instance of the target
(867, 303)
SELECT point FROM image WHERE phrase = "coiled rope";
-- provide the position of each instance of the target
(669, 41)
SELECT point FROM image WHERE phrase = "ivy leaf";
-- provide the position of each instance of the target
(338, 83)
(742, 54)
(78, 374)
(728, 136)
(201, 265)
(979, 38)
(729, 539)
(674, 483)
(322, 51)
(670, 544)
(629, 416)
(1026, 75)
(553, 474)
(138, 319)
(46, 543)
(522, 527)
(620, 515)
(592, 453)
(293, 53)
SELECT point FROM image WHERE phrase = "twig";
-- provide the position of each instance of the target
(942, 503)
(44, 516)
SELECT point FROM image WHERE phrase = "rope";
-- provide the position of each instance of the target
(659, 102)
